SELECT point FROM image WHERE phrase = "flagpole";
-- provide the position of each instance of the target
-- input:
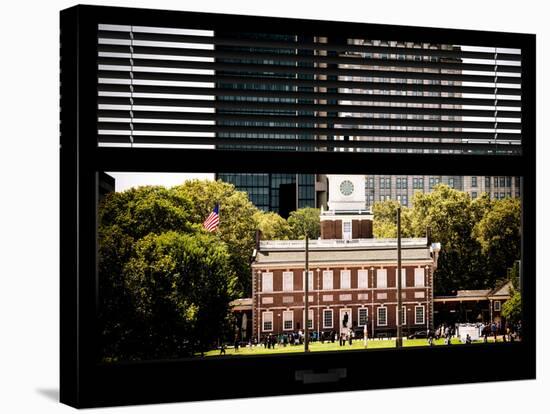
(399, 341)
(306, 291)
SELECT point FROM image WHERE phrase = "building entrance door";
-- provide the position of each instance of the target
(345, 320)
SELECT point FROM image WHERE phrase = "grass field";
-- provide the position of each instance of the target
(329, 346)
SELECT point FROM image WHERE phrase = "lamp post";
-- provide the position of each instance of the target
(306, 292)
(372, 301)
(429, 303)
(399, 341)
(408, 320)
(318, 308)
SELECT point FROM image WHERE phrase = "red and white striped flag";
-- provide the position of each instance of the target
(212, 221)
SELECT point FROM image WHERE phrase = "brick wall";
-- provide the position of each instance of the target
(280, 301)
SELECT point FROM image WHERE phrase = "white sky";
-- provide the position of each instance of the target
(126, 180)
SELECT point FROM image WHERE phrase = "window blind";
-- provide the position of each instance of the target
(164, 87)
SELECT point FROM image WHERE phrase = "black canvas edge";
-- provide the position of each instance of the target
(84, 383)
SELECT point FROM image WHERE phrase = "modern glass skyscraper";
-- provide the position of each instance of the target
(280, 193)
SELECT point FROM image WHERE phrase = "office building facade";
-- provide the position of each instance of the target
(285, 192)
(282, 192)
(402, 188)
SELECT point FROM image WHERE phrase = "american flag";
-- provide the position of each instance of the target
(211, 223)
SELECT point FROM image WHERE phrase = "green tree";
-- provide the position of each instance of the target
(513, 275)
(385, 220)
(136, 223)
(511, 309)
(451, 218)
(118, 323)
(237, 223)
(480, 206)
(181, 285)
(305, 221)
(272, 226)
(480, 238)
(124, 218)
(499, 234)
(149, 209)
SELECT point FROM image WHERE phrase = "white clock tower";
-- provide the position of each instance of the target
(346, 217)
(346, 192)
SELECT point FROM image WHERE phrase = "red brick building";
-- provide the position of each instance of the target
(352, 279)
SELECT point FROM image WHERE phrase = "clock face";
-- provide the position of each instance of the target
(346, 187)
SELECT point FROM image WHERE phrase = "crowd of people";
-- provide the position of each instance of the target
(297, 338)
(283, 339)
(272, 341)
(507, 333)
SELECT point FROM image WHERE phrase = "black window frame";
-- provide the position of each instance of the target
(85, 383)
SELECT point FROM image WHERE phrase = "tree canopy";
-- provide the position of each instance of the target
(511, 309)
(148, 209)
(181, 286)
(237, 221)
(385, 220)
(272, 226)
(305, 221)
(499, 234)
(165, 282)
(479, 238)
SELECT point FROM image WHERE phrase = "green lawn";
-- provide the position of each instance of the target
(329, 346)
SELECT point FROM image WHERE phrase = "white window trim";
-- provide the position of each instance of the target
(365, 273)
(417, 275)
(263, 321)
(264, 276)
(379, 274)
(495, 307)
(342, 274)
(403, 277)
(359, 316)
(331, 318)
(327, 272)
(423, 315)
(291, 320)
(378, 316)
(285, 286)
(310, 284)
(404, 321)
